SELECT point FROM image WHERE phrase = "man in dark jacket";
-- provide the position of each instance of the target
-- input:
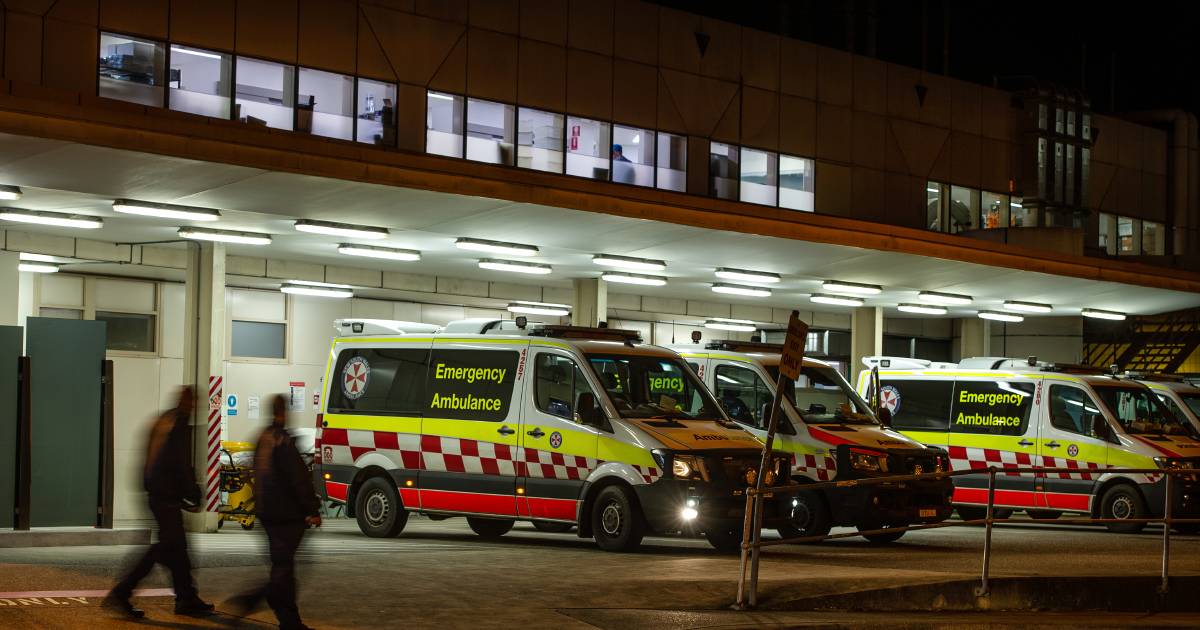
(171, 487)
(286, 503)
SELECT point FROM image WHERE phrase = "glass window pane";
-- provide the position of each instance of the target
(489, 132)
(1042, 115)
(1087, 127)
(260, 340)
(759, 176)
(265, 93)
(1071, 123)
(199, 81)
(1019, 215)
(540, 140)
(60, 313)
(1059, 180)
(1105, 229)
(797, 179)
(588, 147)
(326, 105)
(995, 210)
(633, 156)
(1043, 167)
(672, 162)
(1070, 175)
(722, 170)
(1154, 240)
(130, 332)
(1058, 120)
(964, 209)
(131, 69)
(377, 113)
(443, 124)
(933, 206)
(1085, 159)
(1127, 233)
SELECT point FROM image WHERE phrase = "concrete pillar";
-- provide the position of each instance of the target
(10, 288)
(203, 360)
(976, 338)
(866, 337)
(591, 302)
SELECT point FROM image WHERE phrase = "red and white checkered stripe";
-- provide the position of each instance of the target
(968, 458)
(649, 474)
(1059, 462)
(554, 465)
(213, 490)
(819, 467)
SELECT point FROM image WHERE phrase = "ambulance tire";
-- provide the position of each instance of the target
(616, 520)
(882, 538)
(1046, 514)
(552, 527)
(810, 517)
(977, 512)
(378, 509)
(1123, 501)
(725, 540)
(490, 527)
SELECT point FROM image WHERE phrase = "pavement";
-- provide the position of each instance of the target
(440, 575)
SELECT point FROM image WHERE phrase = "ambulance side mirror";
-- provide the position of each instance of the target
(885, 416)
(1100, 427)
(589, 412)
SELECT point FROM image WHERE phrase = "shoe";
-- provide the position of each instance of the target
(193, 607)
(122, 605)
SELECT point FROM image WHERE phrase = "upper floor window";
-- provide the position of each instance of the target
(200, 81)
(540, 140)
(797, 177)
(131, 69)
(1154, 239)
(490, 131)
(326, 106)
(444, 124)
(964, 209)
(1020, 215)
(265, 93)
(722, 170)
(759, 177)
(672, 161)
(376, 118)
(633, 156)
(588, 145)
(995, 210)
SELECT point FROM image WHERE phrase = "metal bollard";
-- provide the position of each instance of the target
(984, 589)
(746, 542)
(1166, 556)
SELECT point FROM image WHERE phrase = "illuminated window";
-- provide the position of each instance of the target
(995, 210)
(326, 105)
(797, 178)
(443, 124)
(265, 93)
(722, 170)
(759, 177)
(540, 140)
(588, 146)
(672, 162)
(633, 156)
(131, 69)
(200, 81)
(490, 132)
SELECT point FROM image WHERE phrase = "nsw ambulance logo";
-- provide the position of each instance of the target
(355, 376)
(889, 397)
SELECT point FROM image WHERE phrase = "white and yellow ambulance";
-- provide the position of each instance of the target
(500, 421)
(1180, 396)
(1010, 413)
(831, 434)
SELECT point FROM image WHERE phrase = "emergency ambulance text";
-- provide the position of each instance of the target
(989, 420)
(469, 374)
(991, 398)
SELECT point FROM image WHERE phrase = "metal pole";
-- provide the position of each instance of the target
(763, 467)
(1166, 554)
(983, 589)
(741, 593)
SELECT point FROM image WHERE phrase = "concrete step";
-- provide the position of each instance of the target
(73, 537)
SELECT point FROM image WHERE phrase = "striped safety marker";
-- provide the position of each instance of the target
(212, 492)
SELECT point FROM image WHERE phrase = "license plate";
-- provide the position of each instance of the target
(927, 513)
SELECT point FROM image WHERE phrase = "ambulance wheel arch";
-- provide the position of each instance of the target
(1101, 497)
(360, 478)
(596, 484)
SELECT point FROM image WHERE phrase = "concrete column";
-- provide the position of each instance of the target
(866, 337)
(203, 361)
(10, 288)
(976, 338)
(591, 302)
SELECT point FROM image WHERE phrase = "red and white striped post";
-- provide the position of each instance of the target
(212, 493)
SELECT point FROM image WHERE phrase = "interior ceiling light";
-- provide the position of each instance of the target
(736, 325)
(739, 289)
(316, 289)
(633, 278)
(1027, 307)
(856, 288)
(836, 300)
(539, 308)
(387, 253)
(10, 193)
(165, 210)
(743, 275)
(515, 266)
(922, 309)
(496, 247)
(46, 258)
(945, 299)
(198, 53)
(340, 229)
(1001, 317)
(1099, 314)
(57, 219)
(34, 267)
(225, 236)
(629, 262)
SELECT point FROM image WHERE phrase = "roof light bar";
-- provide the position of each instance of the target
(944, 299)
(10, 193)
(1027, 307)
(836, 300)
(922, 309)
(633, 278)
(539, 308)
(514, 266)
(341, 229)
(164, 210)
(496, 247)
(225, 236)
(740, 289)
(386, 253)
(57, 219)
(629, 262)
(1099, 314)
(34, 267)
(857, 288)
(1001, 317)
(745, 275)
(736, 325)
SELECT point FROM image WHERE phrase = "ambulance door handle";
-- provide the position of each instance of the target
(505, 431)
(536, 432)
(1025, 443)
(1053, 444)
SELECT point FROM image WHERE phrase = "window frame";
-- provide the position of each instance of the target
(88, 309)
(232, 58)
(288, 306)
(466, 137)
(1087, 398)
(741, 151)
(461, 130)
(354, 79)
(576, 373)
(166, 69)
(759, 384)
(358, 350)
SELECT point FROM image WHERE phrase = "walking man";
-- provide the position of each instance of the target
(171, 487)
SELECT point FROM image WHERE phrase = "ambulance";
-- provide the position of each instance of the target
(831, 434)
(499, 421)
(1010, 413)
(1181, 397)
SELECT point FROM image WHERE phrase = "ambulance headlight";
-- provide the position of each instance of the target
(868, 461)
(1168, 463)
(686, 467)
(690, 511)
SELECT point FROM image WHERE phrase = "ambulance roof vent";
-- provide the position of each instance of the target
(483, 326)
(364, 327)
(586, 332)
(897, 363)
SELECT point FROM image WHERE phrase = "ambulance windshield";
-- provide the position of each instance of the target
(1140, 412)
(1193, 402)
(653, 387)
(822, 396)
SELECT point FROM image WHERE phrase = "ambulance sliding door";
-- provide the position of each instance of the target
(990, 427)
(1068, 442)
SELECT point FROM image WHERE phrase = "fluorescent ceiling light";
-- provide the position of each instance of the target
(633, 278)
(945, 299)
(340, 229)
(225, 236)
(45, 258)
(739, 289)
(737, 325)
(164, 210)
(629, 262)
(387, 253)
(444, 97)
(836, 300)
(10, 193)
(37, 267)
(932, 190)
(58, 219)
(316, 289)
(496, 247)
(744, 275)
(539, 308)
(198, 53)
(1027, 307)
(857, 288)
(514, 266)
(1099, 314)
(922, 309)
(1001, 317)
(1015, 204)
(313, 283)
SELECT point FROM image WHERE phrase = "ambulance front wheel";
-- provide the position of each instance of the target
(490, 527)
(1123, 502)
(378, 509)
(616, 520)
(810, 517)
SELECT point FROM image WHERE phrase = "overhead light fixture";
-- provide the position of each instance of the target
(496, 247)
(945, 299)
(45, 258)
(1027, 307)
(922, 309)
(744, 275)
(57, 219)
(443, 97)
(1001, 317)
(1099, 314)
(736, 325)
(340, 229)
(629, 262)
(633, 278)
(34, 267)
(932, 189)
(198, 53)
(316, 289)
(515, 266)
(740, 289)
(539, 308)
(836, 300)
(386, 253)
(225, 236)
(857, 288)
(165, 210)
(10, 193)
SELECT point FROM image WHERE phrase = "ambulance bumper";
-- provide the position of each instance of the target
(906, 503)
(717, 506)
(1185, 494)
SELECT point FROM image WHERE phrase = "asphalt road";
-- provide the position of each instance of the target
(439, 574)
